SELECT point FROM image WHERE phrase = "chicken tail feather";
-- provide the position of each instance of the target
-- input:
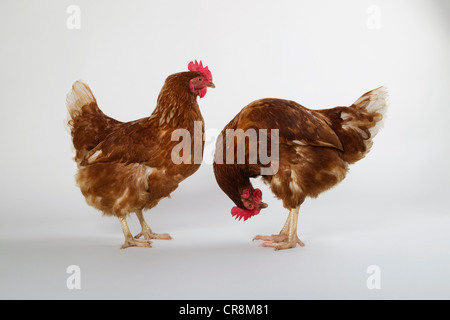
(375, 102)
(358, 124)
(80, 96)
(362, 121)
(87, 123)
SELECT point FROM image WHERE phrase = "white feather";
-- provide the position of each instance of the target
(379, 102)
(79, 96)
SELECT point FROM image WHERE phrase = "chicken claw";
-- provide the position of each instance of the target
(130, 242)
(147, 233)
(274, 237)
(280, 242)
(150, 235)
(287, 238)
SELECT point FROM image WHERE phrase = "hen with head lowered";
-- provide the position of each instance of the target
(313, 149)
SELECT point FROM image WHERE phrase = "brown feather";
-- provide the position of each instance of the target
(315, 146)
(126, 167)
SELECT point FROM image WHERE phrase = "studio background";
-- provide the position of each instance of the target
(392, 210)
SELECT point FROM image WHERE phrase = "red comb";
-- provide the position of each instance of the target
(198, 66)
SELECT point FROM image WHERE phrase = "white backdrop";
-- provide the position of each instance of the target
(392, 210)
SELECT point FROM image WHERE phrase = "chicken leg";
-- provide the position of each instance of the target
(147, 233)
(287, 238)
(129, 240)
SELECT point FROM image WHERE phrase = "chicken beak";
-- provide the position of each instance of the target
(211, 84)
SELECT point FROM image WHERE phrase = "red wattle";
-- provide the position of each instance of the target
(257, 194)
(245, 194)
(202, 92)
(239, 213)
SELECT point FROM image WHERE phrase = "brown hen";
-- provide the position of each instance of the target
(314, 149)
(126, 167)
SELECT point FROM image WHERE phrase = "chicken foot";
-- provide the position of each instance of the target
(147, 233)
(129, 240)
(287, 238)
